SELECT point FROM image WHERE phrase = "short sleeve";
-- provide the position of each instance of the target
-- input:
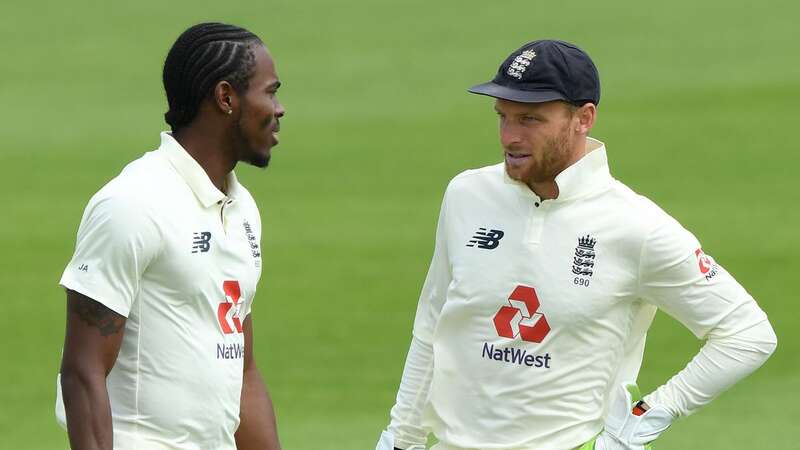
(116, 241)
(677, 276)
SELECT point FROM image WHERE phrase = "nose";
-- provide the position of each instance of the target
(509, 136)
(279, 110)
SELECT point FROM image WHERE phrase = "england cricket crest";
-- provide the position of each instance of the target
(584, 259)
(521, 64)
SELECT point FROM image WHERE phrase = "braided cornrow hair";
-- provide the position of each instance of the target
(202, 56)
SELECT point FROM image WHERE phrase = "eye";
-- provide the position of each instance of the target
(528, 119)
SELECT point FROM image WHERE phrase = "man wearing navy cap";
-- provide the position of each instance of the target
(546, 274)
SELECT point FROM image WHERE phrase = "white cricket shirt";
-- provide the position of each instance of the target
(161, 245)
(534, 311)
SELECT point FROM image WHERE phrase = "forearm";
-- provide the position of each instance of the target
(257, 428)
(721, 363)
(88, 411)
(406, 426)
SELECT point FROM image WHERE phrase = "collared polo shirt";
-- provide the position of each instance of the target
(162, 246)
(536, 310)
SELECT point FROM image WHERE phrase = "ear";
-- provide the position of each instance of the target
(585, 115)
(225, 99)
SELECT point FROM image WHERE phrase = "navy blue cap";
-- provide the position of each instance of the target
(543, 71)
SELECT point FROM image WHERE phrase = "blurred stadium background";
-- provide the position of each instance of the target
(699, 111)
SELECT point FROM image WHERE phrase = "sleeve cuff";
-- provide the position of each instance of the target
(105, 299)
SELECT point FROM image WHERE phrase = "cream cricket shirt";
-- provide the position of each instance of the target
(533, 311)
(161, 245)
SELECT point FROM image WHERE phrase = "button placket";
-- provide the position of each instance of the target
(224, 203)
(536, 215)
(536, 224)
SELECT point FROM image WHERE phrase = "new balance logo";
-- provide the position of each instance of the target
(488, 239)
(201, 242)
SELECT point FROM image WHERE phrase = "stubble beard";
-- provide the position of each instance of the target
(555, 156)
(246, 150)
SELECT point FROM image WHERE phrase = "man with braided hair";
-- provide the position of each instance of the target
(158, 352)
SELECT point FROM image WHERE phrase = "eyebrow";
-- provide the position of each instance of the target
(523, 113)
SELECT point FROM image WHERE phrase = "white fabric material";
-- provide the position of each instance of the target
(723, 359)
(411, 397)
(626, 431)
(491, 391)
(161, 245)
(386, 442)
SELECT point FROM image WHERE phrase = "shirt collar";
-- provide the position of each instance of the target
(194, 175)
(585, 176)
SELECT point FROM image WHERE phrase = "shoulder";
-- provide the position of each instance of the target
(637, 209)
(488, 174)
(248, 202)
(647, 222)
(245, 196)
(477, 179)
(140, 178)
(129, 197)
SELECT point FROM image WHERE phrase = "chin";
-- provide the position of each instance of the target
(259, 159)
(516, 173)
(261, 162)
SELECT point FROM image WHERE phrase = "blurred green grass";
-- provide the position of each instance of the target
(698, 112)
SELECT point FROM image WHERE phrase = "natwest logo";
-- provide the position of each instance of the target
(520, 318)
(703, 261)
(229, 311)
(708, 267)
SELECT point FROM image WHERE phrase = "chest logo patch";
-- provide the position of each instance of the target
(584, 259)
(488, 239)
(520, 316)
(255, 251)
(230, 310)
(201, 242)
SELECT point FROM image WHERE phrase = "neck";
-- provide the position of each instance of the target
(206, 143)
(546, 190)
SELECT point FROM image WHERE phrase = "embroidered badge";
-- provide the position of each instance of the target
(584, 259)
(521, 64)
(255, 251)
